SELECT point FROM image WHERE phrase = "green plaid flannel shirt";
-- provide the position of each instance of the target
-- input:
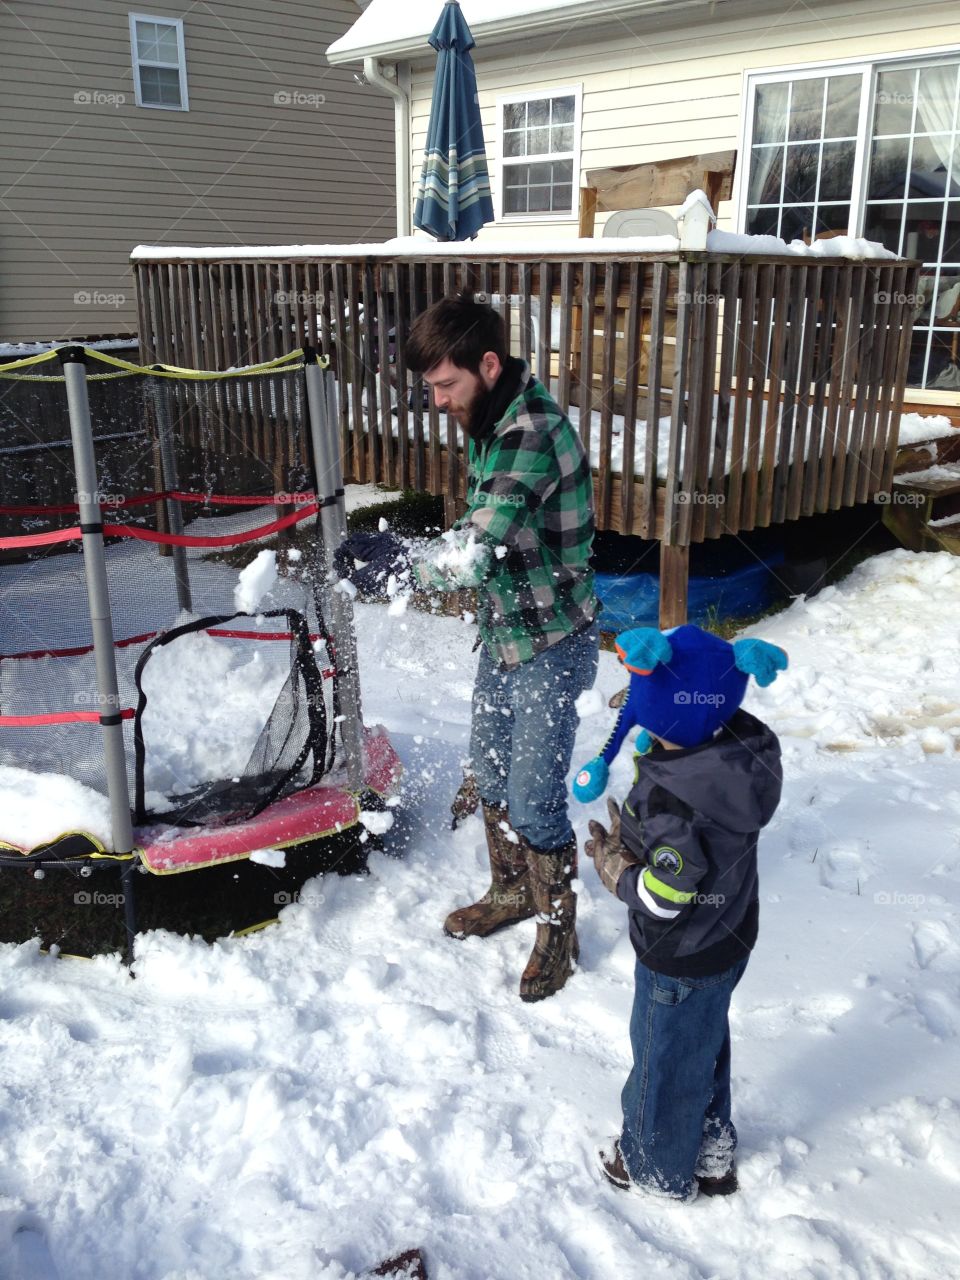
(525, 539)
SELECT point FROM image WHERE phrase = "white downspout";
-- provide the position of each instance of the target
(401, 118)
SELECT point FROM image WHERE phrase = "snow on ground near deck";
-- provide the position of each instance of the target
(308, 1100)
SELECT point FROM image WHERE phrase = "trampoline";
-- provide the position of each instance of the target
(178, 672)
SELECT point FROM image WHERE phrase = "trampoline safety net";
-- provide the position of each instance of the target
(227, 691)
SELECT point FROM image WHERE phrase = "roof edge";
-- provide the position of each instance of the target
(504, 29)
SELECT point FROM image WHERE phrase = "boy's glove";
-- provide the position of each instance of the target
(429, 577)
(609, 856)
(591, 781)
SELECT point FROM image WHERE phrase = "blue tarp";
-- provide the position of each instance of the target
(453, 201)
(633, 600)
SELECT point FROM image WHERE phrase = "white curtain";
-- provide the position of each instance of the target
(937, 111)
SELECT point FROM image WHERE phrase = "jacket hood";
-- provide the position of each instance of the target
(734, 779)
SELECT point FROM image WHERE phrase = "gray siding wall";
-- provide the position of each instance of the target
(85, 178)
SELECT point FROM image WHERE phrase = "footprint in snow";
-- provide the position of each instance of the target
(935, 947)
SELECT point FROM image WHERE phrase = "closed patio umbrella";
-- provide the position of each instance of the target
(453, 201)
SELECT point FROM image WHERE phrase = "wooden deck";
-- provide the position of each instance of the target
(767, 388)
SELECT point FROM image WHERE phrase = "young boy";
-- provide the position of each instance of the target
(683, 857)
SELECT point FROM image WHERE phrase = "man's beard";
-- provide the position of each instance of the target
(477, 409)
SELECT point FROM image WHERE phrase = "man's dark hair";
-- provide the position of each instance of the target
(458, 327)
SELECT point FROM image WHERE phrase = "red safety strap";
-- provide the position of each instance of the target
(60, 717)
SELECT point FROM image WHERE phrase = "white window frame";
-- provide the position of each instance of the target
(537, 95)
(869, 67)
(134, 18)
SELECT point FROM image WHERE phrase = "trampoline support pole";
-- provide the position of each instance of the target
(168, 466)
(98, 599)
(328, 469)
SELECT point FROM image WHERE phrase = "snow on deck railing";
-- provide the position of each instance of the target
(720, 242)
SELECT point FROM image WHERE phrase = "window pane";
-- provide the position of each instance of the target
(515, 200)
(160, 87)
(882, 224)
(538, 112)
(797, 224)
(800, 178)
(538, 142)
(894, 102)
(806, 109)
(168, 50)
(562, 138)
(563, 198)
(147, 40)
(928, 167)
(843, 106)
(562, 171)
(541, 173)
(888, 168)
(513, 143)
(563, 110)
(836, 170)
(770, 113)
(951, 248)
(762, 222)
(922, 238)
(937, 100)
(766, 170)
(539, 200)
(833, 218)
(514, 115)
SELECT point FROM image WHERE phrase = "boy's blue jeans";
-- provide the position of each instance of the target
(676, 1102)
(522, 731)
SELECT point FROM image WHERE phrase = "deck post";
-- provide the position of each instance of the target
(674, 581)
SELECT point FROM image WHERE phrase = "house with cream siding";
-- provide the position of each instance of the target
(166, 122)
(844, 119)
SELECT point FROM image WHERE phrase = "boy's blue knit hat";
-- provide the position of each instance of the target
(691, 682)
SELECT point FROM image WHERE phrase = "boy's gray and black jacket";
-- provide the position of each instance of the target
(693, 818)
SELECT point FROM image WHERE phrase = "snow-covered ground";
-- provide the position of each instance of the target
(350, 1083)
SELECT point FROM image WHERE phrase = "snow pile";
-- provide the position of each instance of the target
(918, 427)
(308, 1100)
(37, 807)
(256, 580)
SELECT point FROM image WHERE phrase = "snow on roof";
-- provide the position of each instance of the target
(386, 25)
(423, 246)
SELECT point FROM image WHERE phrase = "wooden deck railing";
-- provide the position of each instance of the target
(714, 392)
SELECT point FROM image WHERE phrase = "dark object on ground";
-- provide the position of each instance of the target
(724, 1186)
(804, 577)
(613, 1168)
(405, 1266)
(557, 949)
(619, 698)
(380, 555)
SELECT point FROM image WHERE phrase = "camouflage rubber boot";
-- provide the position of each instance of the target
(509, 897)
(556, 948)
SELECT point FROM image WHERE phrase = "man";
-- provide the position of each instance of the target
(524, 544)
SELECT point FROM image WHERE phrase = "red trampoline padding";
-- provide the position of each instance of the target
(309, 814)
(59, 717)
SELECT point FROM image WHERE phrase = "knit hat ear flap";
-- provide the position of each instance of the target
(760, 659)
(642, 649)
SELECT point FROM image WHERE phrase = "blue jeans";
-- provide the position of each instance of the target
(676, 1102)
(522, 731)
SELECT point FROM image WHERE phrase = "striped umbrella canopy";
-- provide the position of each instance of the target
(453, 200)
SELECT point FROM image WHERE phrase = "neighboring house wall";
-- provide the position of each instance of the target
(276, 146)
(653, 93)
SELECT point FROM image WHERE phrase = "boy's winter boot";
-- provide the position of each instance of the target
(556, 948)
(509, 897)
